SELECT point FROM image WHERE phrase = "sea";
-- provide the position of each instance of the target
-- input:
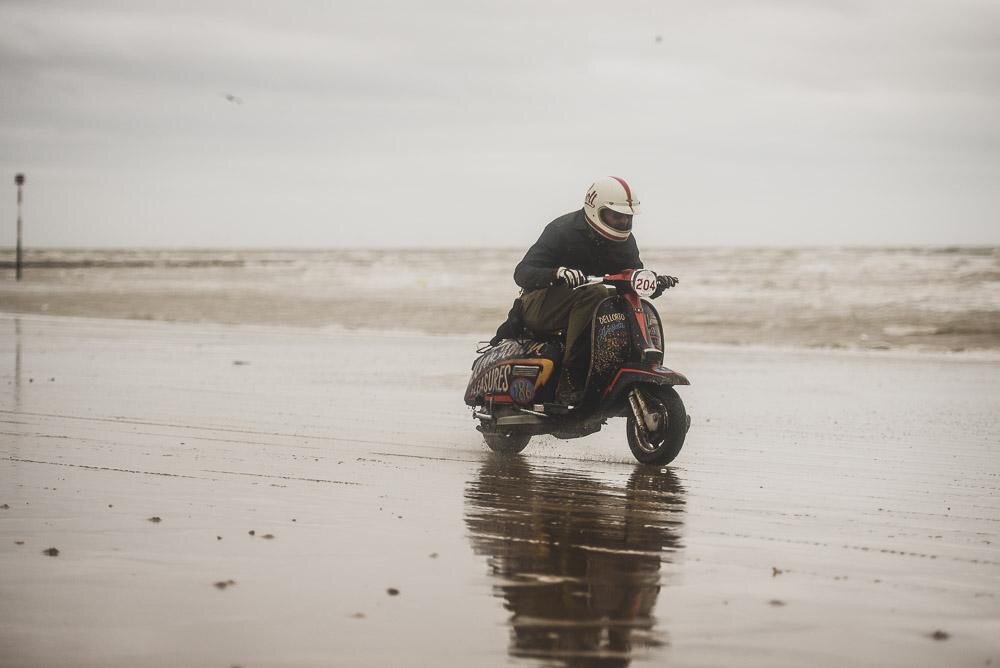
(917, 299)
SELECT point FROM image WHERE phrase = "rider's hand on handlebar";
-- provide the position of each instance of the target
(571, 277)
(663, 283)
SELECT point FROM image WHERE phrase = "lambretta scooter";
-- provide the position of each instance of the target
(512, 388)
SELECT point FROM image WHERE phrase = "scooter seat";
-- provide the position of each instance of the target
(557, 336)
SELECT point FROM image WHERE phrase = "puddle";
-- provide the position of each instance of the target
(575, 560)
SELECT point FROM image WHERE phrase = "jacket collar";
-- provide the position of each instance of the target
(583, 228)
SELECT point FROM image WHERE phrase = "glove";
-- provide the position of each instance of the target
(662, 284)
(571, 277)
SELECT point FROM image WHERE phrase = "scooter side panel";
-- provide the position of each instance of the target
(492, 372)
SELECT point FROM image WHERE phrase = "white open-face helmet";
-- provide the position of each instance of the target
(609, 207)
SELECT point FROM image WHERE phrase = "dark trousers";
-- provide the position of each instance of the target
(558, 307)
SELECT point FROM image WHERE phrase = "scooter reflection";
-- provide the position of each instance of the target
(577, 561)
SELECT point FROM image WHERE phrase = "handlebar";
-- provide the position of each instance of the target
(624, 276)
(590, 280)
(637, 280)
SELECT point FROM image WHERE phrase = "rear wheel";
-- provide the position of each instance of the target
(506, 442)
(662, 444)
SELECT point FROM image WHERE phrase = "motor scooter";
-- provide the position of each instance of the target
(512, 388)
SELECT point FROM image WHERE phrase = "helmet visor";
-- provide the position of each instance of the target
(619, 221)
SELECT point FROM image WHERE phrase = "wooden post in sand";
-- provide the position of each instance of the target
(19, 181)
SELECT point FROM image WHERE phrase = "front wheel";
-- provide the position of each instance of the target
(506, 443)
(662, 445)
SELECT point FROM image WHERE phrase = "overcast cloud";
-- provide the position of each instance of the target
(445, 123)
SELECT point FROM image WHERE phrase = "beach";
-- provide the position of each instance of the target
(250, 255)
(274, 495)
(919, 299)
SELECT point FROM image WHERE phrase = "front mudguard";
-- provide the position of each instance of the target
(627, 378)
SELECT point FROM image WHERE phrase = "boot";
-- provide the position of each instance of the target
(572, 382)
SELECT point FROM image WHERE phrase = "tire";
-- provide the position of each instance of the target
(663, 445)
(506, 443)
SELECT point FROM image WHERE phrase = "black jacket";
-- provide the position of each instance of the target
(569, 242)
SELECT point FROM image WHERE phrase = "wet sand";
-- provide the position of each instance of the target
(828, 509)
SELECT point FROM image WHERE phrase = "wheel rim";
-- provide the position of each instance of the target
(654, 440)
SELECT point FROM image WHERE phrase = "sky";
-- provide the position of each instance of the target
(226, 123)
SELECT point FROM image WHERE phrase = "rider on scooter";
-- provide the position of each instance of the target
(591, 241)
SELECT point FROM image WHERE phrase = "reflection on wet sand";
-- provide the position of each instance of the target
(17, 364)
(577, 560)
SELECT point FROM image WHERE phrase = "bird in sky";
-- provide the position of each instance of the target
(233, 98)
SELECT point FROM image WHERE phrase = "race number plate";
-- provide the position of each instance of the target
(644, 282)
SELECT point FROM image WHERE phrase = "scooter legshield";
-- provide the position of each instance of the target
(610, 342)
(653, 325)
